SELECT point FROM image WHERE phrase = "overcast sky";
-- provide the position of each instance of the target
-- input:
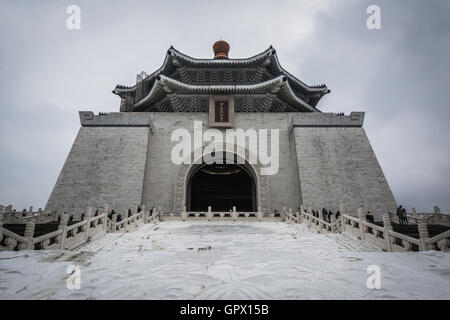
(398, 75)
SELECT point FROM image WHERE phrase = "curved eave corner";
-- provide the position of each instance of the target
(321, 89)
(278, 86)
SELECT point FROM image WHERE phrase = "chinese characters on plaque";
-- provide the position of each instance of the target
(221, 111)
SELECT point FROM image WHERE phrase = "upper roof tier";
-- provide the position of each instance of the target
(183, 83)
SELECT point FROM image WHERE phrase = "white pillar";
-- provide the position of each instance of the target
(259, 214)
(423, 232)
(29, 233)
(362, 218)
(2, 210)
(209, 214)
(63, 226)
(183, 214)
(87, 226)
(387, 225)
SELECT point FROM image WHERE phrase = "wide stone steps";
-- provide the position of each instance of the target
(352, 243)
(412, 231)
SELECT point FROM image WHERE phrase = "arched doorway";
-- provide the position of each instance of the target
(221, 186)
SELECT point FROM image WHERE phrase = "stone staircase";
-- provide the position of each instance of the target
(412, 231)
(40, 228)
(352, 243)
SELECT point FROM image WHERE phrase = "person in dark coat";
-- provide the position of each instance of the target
(119, 217)
(338, 214)
(369, 217)
(399, 214)
(129, 213)
(324, 213)
(403, 216)
(139, 209)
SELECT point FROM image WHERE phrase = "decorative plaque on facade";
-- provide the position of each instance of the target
(221, 111)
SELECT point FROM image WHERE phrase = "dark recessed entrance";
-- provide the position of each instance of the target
(221, 186)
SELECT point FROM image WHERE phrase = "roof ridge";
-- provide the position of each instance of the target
(265, 52)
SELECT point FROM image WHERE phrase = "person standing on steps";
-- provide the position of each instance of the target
(324, 213)
(399, 214)
(369, 217)
(330, 213)
(404, 216)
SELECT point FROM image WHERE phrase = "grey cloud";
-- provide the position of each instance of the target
(398, 75)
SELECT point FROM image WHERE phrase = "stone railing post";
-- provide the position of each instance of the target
(144, 213)
(2, 210)
(234, 214)
(30, 211)
(63, 226)
(310, 212)
(300, 214)
(341, 217)
(86, 218)
(105, 218)
(362, 218)
(423, 233)
(387, 225)
(183, 214)
(114, 222)
(436, 216)
(259, 214)
(209, 215)
(125, 220)
(290, 213)
(133, 215)
(333, 223)
(29, 233)
(160, 213)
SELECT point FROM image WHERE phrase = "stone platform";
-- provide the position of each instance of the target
(224, 260)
